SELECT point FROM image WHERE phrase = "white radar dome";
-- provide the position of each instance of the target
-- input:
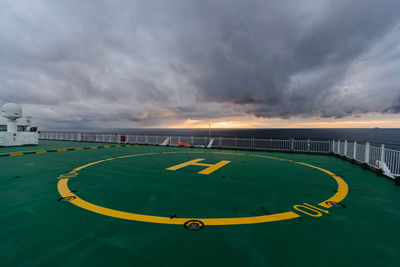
(11, 111)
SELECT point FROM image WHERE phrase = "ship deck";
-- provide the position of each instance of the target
(175, 206)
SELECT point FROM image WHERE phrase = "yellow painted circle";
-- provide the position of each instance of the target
(65, 192)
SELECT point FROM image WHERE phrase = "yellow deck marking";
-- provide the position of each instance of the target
(211, 167)
(135, 155)
(87, 165)
(342, 190)
(106, 146)
(22, 152)
(19, 153)
(226, 153)
(65, 192)
(314, 213)
(191, 162)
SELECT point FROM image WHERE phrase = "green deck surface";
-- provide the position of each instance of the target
(39, 230)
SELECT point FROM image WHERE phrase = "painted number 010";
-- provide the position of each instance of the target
(310, 210)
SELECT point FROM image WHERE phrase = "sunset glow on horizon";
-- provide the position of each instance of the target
(389, 121)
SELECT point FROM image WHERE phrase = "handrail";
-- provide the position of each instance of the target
(370, 141)
(370, 155)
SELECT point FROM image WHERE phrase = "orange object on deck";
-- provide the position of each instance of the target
(183, 144)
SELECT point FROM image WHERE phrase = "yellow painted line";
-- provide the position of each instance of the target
(135, 155)
(65, 192)
(211, 167)
(230, 153)
(268, 157)
(182, 165)
(18, 153)
(214, 167)
(342, 190)
(87, 165)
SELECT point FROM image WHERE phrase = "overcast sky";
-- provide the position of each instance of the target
(97, 64)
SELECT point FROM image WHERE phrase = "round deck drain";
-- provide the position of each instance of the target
(193, 225)
(335, 204)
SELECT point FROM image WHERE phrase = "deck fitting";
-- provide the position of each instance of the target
(193, 225)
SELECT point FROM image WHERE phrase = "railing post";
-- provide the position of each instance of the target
(366, 158)
(354, 149)
(235, 142)
(252, 143)
(338, 147)
(345, 148)
(308, 145)
(220, 143)
(79, 137)
(292, 144)
(383, 152)
(145, 139)
(191, 140)
(136, 139)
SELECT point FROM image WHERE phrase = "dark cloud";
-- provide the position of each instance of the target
(140, 63)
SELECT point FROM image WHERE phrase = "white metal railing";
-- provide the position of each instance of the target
(219, 142)
(361, 152)
(368, 153)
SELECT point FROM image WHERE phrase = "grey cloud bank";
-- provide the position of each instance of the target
(140, 63)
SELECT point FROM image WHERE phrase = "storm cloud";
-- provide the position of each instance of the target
(138, 63)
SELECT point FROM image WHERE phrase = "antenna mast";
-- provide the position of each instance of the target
(209, 129)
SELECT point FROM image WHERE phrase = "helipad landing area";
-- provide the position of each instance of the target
(43, 227)
(241, 184)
